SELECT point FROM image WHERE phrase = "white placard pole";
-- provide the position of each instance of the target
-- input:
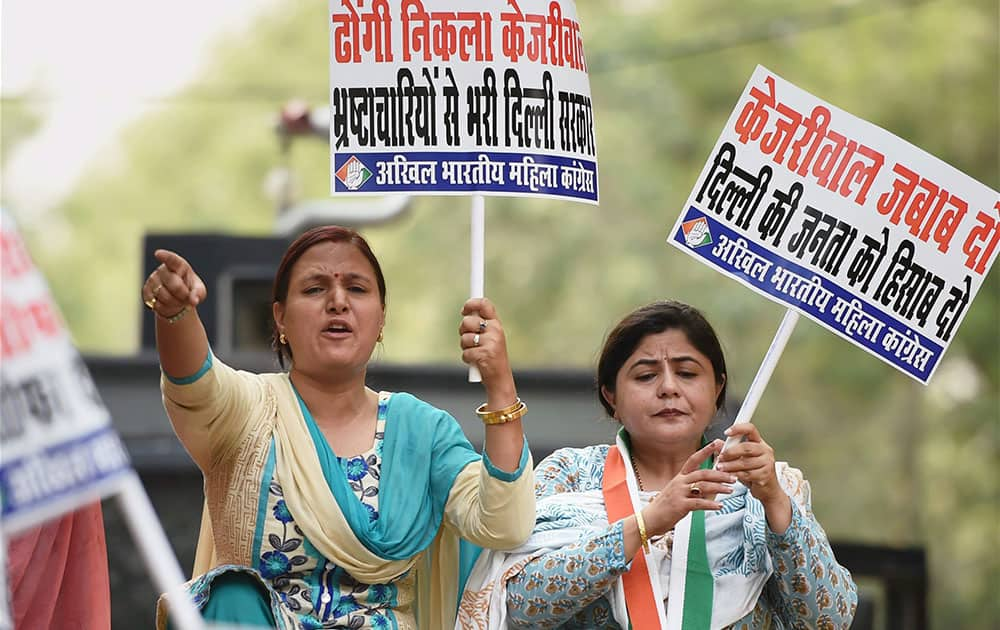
(157, 554)
(760, 381)
(477, 261)
(6, 622)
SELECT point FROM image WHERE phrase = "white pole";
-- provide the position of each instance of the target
(477, 261)
(157, 554)
(764, 372)
(5, 602)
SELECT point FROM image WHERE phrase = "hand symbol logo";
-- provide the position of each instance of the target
(353, 174)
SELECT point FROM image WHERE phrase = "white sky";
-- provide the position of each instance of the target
(96, 65)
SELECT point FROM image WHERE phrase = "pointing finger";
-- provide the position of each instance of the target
(172, 261)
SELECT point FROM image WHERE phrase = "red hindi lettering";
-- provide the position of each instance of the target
(753, 117)
(444, 35)
(894, 201)
(476, 36)
(21, 326)
(832, 160)
(536, 50)
(14, 258)
(982, 240)
(573, 45)
(346, 34)
(815, 130)
(776, 142)
(555, 40)
(419, 38)
(513, 33)
(947, 224)
(378, 31)
(864, 174)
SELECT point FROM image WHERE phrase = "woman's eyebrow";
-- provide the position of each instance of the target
(654, 362)
(315, 276)
(644, 362)
(684, 359)
(353, 276)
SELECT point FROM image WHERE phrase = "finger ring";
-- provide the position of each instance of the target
(695, 490)
(150, 303)
(475, 339)
(157, 289)
(482, 326)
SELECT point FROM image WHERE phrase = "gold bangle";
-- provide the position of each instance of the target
(502, 416)
(642, 531)
(176, 317)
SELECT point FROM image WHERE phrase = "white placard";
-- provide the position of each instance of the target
(441, 97)
(59, 450)
(861, 231)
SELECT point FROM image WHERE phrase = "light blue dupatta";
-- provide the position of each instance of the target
(423, 451)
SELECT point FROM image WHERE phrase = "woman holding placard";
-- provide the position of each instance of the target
(329, 504)
(647, 533)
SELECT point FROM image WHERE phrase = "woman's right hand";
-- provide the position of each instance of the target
(676, 499)
(173, 286)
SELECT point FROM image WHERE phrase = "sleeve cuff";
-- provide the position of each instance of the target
(187, 380)
(619, 564)
(496, 473)
(792, 533)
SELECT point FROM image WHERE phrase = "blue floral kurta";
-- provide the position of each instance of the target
(565, 588)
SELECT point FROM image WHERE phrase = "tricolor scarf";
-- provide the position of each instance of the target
(689, 604)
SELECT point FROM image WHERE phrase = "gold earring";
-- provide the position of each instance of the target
(379, 337)
(282, 339)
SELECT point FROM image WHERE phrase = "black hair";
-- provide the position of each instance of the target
(653, 319)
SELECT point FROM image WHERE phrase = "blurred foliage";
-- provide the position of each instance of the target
(890, 461)
(19, 119)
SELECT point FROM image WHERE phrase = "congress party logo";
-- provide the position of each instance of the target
(353, 173)
(696, 232)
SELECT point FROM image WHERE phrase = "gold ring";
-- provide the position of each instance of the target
(695, 490)
(150, 303)
(157, 289)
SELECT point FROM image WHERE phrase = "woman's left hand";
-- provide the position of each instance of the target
(484, 345)
(752, 461)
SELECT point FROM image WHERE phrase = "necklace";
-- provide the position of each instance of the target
(635, 469)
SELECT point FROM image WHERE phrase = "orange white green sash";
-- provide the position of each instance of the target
(689, 605)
